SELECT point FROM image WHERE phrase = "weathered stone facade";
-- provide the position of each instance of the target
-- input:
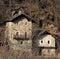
(48, 52)
(23, 30)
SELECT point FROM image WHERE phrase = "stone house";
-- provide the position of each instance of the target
(46, 44)
(19, 32)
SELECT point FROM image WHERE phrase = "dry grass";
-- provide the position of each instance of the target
(11, 54)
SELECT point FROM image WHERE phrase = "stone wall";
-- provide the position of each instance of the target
(24, 28)
(48, 52)
(23, 45)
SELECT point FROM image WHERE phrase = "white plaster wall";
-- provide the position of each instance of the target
(43, 42)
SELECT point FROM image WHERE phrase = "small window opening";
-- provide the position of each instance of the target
(41, 41)
(25, 34)
(21, 42)
(48, 42)
(17, 33)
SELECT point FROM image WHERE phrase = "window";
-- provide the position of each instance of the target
(17, 33)
(25, 34)
(41, 41)
(21, 42)
(48, 42)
